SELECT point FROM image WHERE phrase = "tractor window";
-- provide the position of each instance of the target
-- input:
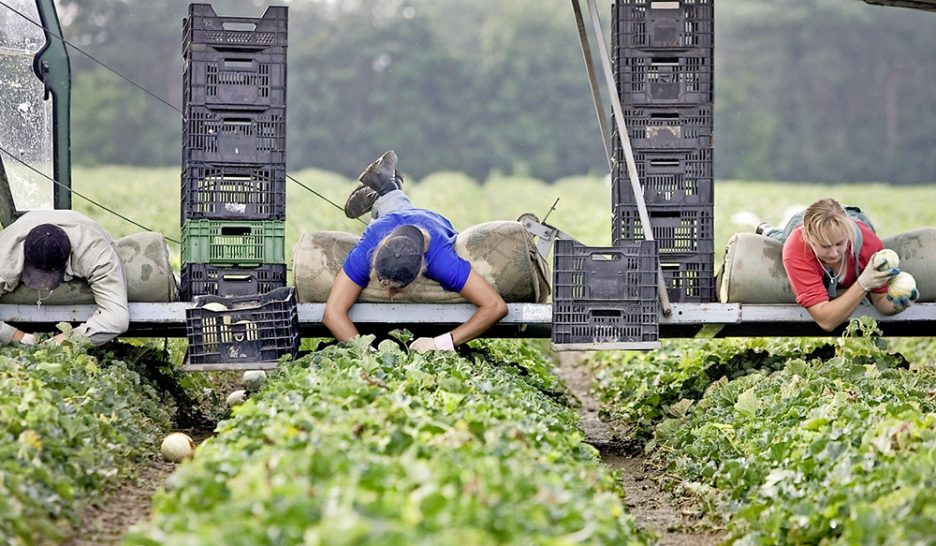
(25, 117)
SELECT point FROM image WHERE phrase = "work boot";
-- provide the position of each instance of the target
(379, 178)
(381, 175)
(360, 202)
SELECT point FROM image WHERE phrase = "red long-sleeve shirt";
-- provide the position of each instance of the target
(806, 273)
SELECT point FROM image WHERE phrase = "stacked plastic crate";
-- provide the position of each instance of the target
(234, 191)
(663, 66)
(233, 153)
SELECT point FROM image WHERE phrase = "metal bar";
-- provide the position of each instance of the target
(593, 82)
(623, 346)
(229, 366)
(522, 320)
(665, 306)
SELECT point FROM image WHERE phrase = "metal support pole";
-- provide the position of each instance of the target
(593, 83)
(665, 306)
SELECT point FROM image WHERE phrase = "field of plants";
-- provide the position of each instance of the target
(779, 441)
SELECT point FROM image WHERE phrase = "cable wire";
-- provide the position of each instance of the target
(73, 192)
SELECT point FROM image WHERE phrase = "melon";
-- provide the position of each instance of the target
(901, 286)
(885, 259)
(236, 398)
(177, 447)
(252, 380)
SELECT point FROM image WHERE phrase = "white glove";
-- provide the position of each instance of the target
(28, 339)
(439, 343)
(423, 344)
(871, 278)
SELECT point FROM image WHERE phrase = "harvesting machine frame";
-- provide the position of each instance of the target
(676, 320)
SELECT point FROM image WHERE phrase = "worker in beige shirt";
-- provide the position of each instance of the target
(44, 248)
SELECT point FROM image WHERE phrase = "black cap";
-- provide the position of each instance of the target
(46, 251)
(399, 257)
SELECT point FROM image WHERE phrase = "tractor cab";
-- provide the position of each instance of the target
(34, 106)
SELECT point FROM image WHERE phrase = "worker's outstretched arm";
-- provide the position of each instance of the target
(342, 296)
(830, 314)
(490, 308)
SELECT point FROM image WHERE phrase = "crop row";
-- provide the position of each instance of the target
(791, 442)
(354, 446)
(70, 426)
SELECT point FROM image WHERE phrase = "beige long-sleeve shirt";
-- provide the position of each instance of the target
(94, 258)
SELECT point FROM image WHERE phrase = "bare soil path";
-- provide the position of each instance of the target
(675, 521)
(106, 520)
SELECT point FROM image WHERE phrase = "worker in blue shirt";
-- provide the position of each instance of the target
(401, 243)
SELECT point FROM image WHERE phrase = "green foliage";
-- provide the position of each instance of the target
(640, 389)
(69, 426)
(350, 446)
(794, 446)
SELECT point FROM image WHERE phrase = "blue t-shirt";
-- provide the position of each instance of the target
(443, 264)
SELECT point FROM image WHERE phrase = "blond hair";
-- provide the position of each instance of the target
(824, 221)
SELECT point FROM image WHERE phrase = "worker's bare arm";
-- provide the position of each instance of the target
(490, 308)
(335, 317)
(831, 313)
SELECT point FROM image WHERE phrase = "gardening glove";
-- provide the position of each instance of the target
(902, 291)
(28, 339)
(871, 278)
(438, 343)
(901, 303)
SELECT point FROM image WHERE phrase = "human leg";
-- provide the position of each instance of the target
(779, 234)
(394, 201)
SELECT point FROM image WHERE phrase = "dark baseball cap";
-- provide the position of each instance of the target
(46, 251)
(399, 258)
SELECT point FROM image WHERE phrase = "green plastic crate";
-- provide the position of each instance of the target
(233, 243)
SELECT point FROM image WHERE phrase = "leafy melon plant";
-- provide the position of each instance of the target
(350, 446)
(807, 450)
(69, 426)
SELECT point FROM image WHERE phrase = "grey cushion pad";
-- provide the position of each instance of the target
(752, 269)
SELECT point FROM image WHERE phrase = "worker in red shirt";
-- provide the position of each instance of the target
(831, 256)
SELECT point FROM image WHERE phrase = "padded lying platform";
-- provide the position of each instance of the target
(503, 252)
(145, 258)
(753, 272)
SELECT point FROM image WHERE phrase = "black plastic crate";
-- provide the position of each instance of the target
(667, 178)
(668, 128)
(243, 329)
(244, 80)
(648, 24)
(665, 78)
(689, 278)
(662, 190)
(683, 230)
(617, 274)
(213, 280)
(204, 26)
(234, 136)
(604, 294)
(233, 192)
(605, 322)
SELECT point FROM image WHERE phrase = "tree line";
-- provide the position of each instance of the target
(806, 90)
